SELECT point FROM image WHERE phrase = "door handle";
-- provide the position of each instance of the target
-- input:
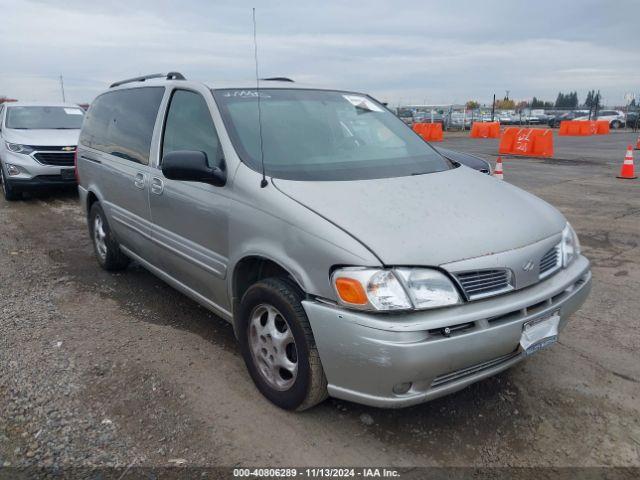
(138, 181)
(157, 186)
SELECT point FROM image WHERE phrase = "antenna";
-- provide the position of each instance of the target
(264, 182)
(62, 88)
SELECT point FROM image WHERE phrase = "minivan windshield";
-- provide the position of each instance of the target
(44, 118)
(323, 135)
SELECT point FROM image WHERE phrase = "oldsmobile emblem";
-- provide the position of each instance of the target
(527, 267)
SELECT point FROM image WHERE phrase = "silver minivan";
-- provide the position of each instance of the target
(352, 258)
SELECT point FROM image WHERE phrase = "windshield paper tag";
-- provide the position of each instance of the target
(362, 102)
(73, 111)
(246, 94)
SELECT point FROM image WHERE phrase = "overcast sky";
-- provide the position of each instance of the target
(401, 52)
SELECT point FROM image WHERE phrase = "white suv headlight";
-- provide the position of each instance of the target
(17, 148)
(393, 290)
(570, 245)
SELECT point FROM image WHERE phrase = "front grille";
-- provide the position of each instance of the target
(472, 370)
(51, 148)
(484, 283)
(550, 262)
(62, 159)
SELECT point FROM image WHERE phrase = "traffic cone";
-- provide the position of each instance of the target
(627, 167)
(497, 172)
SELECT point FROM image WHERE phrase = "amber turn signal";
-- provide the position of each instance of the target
(351, 291)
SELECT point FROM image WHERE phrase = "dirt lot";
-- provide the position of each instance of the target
(121, 369)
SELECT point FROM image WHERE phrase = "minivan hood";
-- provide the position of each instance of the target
(432, 219)
(52, 138)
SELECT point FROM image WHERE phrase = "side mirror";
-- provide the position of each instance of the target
(192, 166)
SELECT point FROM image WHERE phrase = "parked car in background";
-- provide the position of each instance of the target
(505, 118)
(632, 119)
(405, 114)
(433, 116)
(554, 121)
(458, 120)
(486, 117)
(616, 118)
(37, 145)
(351, 257)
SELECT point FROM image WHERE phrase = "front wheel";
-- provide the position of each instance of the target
(278, 345)
(106, 247)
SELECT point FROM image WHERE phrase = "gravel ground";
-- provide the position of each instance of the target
(101, 369)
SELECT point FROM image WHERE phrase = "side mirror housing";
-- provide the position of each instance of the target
(192, 166)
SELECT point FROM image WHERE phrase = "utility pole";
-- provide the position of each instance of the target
(493, 107)
(507, 97)
(62, 88)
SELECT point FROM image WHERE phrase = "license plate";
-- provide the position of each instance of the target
(540, 333)
(67, 173)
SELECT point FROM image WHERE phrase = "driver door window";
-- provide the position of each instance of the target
(189, 126)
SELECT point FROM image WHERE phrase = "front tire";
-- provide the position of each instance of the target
(8, 190)
(278, 347)
(105, 246)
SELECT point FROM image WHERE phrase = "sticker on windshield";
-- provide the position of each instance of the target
(73, 111)
(362, 102)
(246, 94)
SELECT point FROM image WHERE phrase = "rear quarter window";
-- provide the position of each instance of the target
(121, 123)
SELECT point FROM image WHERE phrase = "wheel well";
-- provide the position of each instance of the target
(253, 269)
(91, 199)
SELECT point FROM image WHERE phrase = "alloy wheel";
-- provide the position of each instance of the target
(273, 347)
(100, 237)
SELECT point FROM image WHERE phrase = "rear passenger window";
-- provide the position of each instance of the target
(189, 126)
(121, 122)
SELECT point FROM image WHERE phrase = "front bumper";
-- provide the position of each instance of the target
(41, 181)
(365, 355)
(30, 168)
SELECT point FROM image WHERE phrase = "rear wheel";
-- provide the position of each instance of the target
(8, 190)
(278, 345)
(106, 247)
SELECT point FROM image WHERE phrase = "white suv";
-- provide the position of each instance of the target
(616, 118)
(37, 145)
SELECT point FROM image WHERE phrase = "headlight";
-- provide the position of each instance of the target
(17, 148)
(393, 290)
(570, 245)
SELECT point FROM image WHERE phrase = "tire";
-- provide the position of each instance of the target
(308, 386)
(615, 124)
(9, 191)
(105, 246)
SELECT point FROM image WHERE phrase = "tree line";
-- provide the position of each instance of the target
(563, 100)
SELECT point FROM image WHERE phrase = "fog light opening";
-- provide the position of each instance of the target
(402, 388)
(12, 170)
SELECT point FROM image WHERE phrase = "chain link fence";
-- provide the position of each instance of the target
(458, 117)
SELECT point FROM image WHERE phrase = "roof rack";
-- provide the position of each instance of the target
(277, 79)
(168, 76)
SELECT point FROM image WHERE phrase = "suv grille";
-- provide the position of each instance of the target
(485, 283)
(550, 262)
(64, 159)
